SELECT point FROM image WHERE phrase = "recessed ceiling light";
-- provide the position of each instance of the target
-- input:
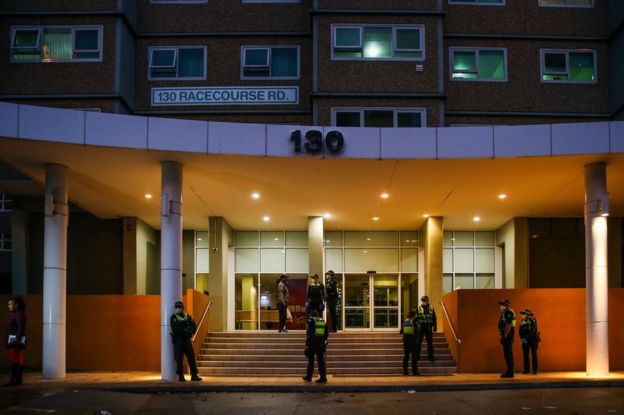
(368, 239)
(255, 195)
(266, 218)
(476, 218)
(276, 239)
(426, 215)
(375, 218)
(385, 195)
(199, 239)
(327, 215)
(148, 195)
(502, 196)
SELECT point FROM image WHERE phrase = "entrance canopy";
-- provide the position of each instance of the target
(457, 173)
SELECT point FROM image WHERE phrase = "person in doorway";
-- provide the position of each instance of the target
(182, 329)
(530, 339)
(316, 296)
(316, 345)
(332, 295)
(506, 327)
(282, 302)
(16, 339)
(428, 325)
(410, 330)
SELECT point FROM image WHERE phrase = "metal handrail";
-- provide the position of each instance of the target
(201, 321)
(450, 324)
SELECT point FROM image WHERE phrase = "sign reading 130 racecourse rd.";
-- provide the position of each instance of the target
(225, 96)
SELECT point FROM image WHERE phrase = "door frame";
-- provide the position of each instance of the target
(371, 302)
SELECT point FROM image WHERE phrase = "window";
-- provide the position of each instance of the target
(177, 62)
(179, 1)
(469, 260)
(479, 2)
(482, 64)
(5, 242)
(5, 202)
(277, 62)
(378, 42)
(379, 117)
(56, 44)
(568, 66)
(270, 1)
(566, 3)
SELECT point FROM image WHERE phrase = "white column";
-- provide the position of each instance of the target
(596, 270)
(55, 272)
(170, 260)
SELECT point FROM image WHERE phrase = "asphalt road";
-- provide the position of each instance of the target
(570, 401)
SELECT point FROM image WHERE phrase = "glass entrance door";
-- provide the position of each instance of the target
(366, 309)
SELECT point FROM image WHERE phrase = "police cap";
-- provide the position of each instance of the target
(504, 302)
(527, 312)
(179, 304)
(424, 298)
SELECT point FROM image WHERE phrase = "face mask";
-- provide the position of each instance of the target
(502, 308)
(178, 311)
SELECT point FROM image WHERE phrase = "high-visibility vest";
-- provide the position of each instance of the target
(513, 319)
(425, 317)
(408, 327)
(319, 327)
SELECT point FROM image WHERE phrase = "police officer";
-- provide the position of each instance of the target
(316, 296)
(410, 330)
(332, 295)
(282, 302)
(182, 329)
(506, 324)
(428, 325)
(529, 337)
(316, 345)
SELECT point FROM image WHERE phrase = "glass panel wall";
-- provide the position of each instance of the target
(469, 260)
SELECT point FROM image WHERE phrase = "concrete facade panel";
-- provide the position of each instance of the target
(249, 139)
(8, 119)
(116, 130)
(526, 140)
(41, 123)
(466, 142)
(617, 136)
(57, 5)
(177, 135)
(426, 5)
(358, 142)
(580, 138)
(279, 143)
(408, 143)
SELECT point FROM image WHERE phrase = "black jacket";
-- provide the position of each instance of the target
(182, 326)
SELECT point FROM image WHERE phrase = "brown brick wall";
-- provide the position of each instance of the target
(378, 4)
(524, 17)
(378, 76)
(524, 90)
(325, 106)
(223, 69)
(57, 5)
(224, 16)
(289, 119)
(58, 78)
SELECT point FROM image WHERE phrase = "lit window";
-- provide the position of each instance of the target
(177, 63)
(479, 2)
(379, 117)
(270, 62)
(568, 66)
(56, 44)
(482, 64)
(378, 42)
(566, 3)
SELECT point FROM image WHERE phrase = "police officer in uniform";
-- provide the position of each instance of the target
(332, 295)
(506, 324)
(316, 296)
(530, 339)
(428, 325)
(182, 329)
(410, 330)
(316, 345)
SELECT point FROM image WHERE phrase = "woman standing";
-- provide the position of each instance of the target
(16, 339)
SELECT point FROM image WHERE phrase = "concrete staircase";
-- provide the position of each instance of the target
(348, 354)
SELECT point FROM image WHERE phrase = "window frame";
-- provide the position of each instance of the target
(270, 1)
(394, 27)
(540, 3)
(178, 1)
(269, 55)
(395, 115)
(475, 3)
(453, 49)
(177, 57)
(40, 40)
(544, 51)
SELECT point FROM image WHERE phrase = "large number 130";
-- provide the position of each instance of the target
(313, 141)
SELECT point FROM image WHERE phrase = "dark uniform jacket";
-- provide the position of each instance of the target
(316, 293)
(332, 290)
(507, 317)
(316, 334)
(16, 326)
(182, 326)
(427, 317)
(410, 330)
(528, 330)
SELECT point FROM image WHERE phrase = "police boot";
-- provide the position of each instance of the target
(196, 378)
(18, 375)
(181, 378)
(321, 380)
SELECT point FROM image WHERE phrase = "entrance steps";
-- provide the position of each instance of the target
(348, 354)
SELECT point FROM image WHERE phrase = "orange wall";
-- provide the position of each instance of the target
(105, 332)
(561, 321)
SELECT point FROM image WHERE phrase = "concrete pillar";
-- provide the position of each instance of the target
(431, 237)
(170, 260)
(596, 270)
(316, 233)
(54, 272)
(19, 253)
(221, 237)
